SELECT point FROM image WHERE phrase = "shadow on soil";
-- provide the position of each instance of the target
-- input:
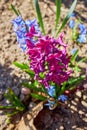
(69, 117)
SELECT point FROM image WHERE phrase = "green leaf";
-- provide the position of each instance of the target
(33, 87)
(67, 17)
(21, 65)
(24, 67)
(75, 81)
(74, 56)
(57, 88)
(63, 88)
(14, 100)
(38, 96)
(39, 15)
(58, 11)
(14, 9)
(83, 59)
(7, 107)
(41, 75)
(76, 68)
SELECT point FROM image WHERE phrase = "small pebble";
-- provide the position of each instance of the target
(25, 91)
(84, 103)
(61, 128)
(78, 93)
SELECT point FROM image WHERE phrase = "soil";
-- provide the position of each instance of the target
(10, 76)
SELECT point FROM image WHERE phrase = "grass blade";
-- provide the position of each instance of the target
(74, 56)
(25, 68)
(67, 17)
(14, 9)
(38, 96)
(39, 15)
(58, 11)
(33, 87)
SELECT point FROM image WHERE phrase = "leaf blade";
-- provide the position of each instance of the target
(39, 15)
(67, 17)
(58, 11)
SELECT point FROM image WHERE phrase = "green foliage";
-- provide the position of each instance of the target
(58, 11)
(67, 17)
(25, 68)
(63, 88)
(33, 86)
(16, 105)
(38, 96)
(17, 12)
(39, 15)
(75, 81)
(74, 56)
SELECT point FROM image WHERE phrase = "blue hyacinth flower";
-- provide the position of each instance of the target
(82, 28)
(50, 104)
(62, 98)
(73, 51)
(82, 38)
(22, 27)
(51, 91)
(72, 24)
(72, 15)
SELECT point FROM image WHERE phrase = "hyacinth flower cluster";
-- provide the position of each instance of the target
(21, 27)
(48, 56)
(79, 30)
(49, 60)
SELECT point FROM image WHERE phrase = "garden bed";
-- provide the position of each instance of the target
(12, 77)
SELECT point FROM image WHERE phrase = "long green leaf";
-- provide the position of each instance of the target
(7, 107)
(83, 59)
(39, 97)
(75, 81)
(58, 11)
(21, 65)
(14, 9)
(39, 15)
(13, 99)
(74, 56)
(67, 17)
(31, 86)
(24, 67)
(63, 88)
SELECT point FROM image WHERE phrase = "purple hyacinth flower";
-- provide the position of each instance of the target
(72, 24)
(62, 98)
(82, 38)
(82, 28)
(51, 91)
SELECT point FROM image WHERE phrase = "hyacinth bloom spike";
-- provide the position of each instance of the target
(21, 28)
(72, 15)
(47, 57)
(71, 23)
(82, 38)
(62, 98)
(51, 104)
(82, 28)
(51, 91)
